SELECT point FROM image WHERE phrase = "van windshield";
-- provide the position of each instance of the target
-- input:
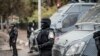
(93, 16)
(64, 8)
(59, 13)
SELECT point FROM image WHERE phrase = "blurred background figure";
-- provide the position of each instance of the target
(13, 33)
(30, 34)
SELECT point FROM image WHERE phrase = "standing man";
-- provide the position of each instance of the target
(96, 37)
(13, 38)
(45, 38)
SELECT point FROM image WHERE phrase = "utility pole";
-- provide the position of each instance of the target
(39, 14)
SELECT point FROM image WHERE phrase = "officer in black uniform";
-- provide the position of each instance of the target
(45, 38)
(13, 38)
(97, 41)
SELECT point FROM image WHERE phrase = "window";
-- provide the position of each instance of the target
(74, 8)
(93, 15)
(70, 20)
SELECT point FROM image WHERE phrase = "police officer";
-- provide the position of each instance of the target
(13, 38)
(30, 34)
(97, 41)
(45, 38)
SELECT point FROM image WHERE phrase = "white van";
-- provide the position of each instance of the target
(80, 42)
(68, 15)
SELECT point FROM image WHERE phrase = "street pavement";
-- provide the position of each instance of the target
(22, 44)
(22, 52)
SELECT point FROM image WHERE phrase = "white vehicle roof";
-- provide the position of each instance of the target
(91, 18)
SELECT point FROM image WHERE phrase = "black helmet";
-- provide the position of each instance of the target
(45, 23)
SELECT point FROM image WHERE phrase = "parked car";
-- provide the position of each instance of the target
(80, 42)
(68, 15)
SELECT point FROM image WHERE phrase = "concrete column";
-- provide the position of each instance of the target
(39, 14)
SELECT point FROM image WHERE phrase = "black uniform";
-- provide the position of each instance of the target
(45, 42)
(97, 41)
(13, 38)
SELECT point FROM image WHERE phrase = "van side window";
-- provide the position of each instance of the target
(69, 20)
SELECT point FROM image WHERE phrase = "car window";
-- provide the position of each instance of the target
(85, 7)
(93, 15)
(60, 12)
(74, 8)
(63, 9)
(70, 20)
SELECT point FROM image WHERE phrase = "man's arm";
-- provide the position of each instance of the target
(50, 42)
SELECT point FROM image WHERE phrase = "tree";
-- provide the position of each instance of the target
(21, 8)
